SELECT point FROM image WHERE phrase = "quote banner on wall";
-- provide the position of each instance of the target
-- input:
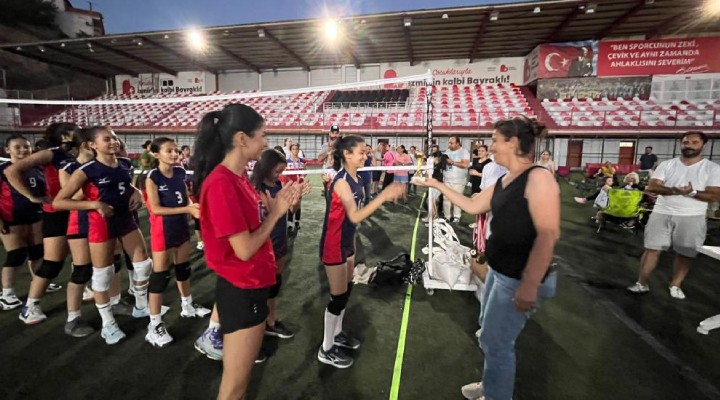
(659, 57)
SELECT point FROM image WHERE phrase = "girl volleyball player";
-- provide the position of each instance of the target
(54, 227)
(21, 230)
(237, 240)
(266, 179)
(169, 205)
(109, 197)
(294, 163)
(337, 243)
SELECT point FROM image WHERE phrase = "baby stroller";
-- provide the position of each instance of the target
(623, 207)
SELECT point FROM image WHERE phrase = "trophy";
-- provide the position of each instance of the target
(418, 177)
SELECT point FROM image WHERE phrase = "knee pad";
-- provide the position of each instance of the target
(101, 278)
(49, 269)
(337, 303)
(182, 271)
(275, 289)
(117, 262)
(142, 270)
(158, 281)
(81, 274)
(16, 258)
(36, 252)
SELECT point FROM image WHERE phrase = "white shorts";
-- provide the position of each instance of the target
(683, 233)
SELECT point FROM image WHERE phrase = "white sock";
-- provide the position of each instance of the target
(338, 325)
(155, 320)
(106, 314)
(30, 301)
(131, 278)
(186, 300)
(8, 292)
(141, 299)
(331, 322)
(114, 299)
(213, 324)
(72, 315)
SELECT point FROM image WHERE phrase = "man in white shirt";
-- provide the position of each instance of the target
(455, 176)
(685, 186)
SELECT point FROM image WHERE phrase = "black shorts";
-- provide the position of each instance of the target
(197, 224)
(376, 176)
(240, 308)
(55, 224)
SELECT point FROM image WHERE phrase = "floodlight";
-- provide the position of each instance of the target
(494, 16)
(407, 22)
(536, 10)
(261, 33)
(196, 39)
(445, 16)
(331, 29)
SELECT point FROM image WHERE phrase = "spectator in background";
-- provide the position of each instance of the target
(376, 175)
(388, 161)
(147, 160)
(546, 161)
(366, 176)
(480, 160)
(648, 161)
(412, 189)
(456, 176)
(325, 156)
(685, 186)
(286, 146)
(185, 157)
(402, 159)
(438, 159)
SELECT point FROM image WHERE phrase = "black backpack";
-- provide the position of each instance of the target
(396, 272)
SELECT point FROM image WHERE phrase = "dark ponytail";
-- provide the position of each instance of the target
(525, 129)
(344, 143)
(215, 138)
(55, 132)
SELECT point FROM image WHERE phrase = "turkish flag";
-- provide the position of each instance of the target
(557, 61)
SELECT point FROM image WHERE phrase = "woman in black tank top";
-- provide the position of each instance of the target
(525, 204)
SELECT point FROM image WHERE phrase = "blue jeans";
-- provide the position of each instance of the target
(501, 324)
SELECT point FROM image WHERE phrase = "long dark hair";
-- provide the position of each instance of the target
(55, 132)
(157, 143)
(524, 128)
(344, 143)
(215, 138)
(269, 159)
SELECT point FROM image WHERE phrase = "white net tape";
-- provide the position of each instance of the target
(427, 77)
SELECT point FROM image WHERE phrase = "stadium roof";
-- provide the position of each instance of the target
(503, 30)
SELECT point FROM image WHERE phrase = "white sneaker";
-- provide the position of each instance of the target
(32, 315)
(52, 288)
(677, 293)
(639, 288)
(112, 333)
(158, 336)
(580, 200)
(145, 312)
(88, 294)
(9, 302)
(473, 225)
(194, 310)
(200, 246)
(473, 391)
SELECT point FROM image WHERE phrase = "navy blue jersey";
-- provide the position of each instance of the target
(60, 158)
(338, 231)
(14, 207)
(278, 236)
(172, 191)
(109, 185)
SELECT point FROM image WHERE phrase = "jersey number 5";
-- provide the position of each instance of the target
(121, 188)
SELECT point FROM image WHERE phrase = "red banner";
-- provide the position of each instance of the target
(659, 57)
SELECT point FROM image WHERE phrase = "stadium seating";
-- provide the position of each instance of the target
(621, 113)
(456, 106)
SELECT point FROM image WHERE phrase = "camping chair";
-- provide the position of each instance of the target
(622, 206)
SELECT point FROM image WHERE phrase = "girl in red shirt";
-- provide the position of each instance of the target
(236, 237)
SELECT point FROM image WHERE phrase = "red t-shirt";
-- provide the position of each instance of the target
(230, 205)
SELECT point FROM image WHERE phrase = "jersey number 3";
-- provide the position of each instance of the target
(179, 196)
